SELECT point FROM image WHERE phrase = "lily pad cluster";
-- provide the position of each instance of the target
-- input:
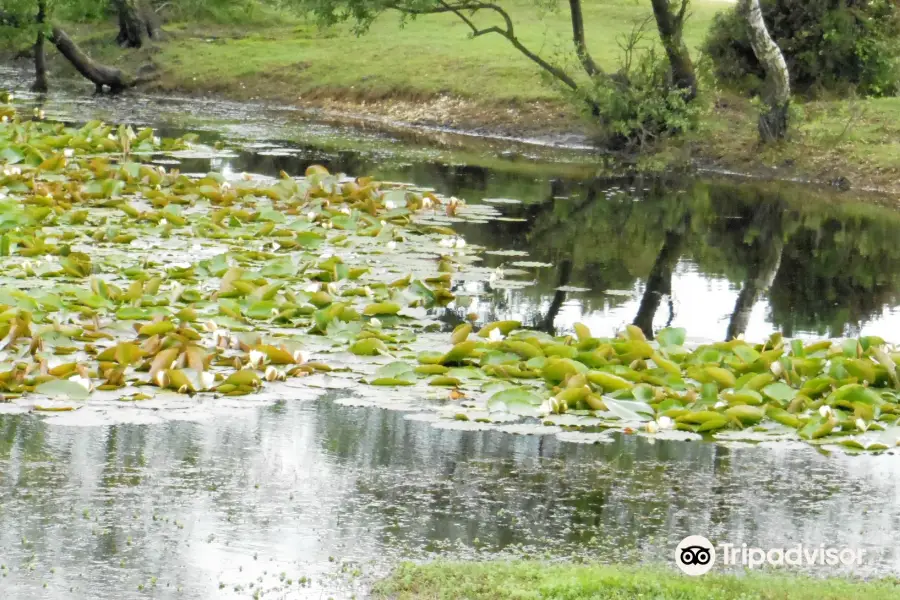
(119, 275)
(831, 393)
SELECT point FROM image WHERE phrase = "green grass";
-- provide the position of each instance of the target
(431, 55)
(401, 73)
(530, 580)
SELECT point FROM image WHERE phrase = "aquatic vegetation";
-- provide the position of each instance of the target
(120, 276)
(125, 281)
(833, 393)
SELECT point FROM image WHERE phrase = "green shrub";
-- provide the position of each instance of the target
(640, 105)
(839, 46)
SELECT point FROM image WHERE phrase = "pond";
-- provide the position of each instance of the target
(314, 496)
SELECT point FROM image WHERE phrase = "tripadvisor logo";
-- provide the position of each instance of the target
(696, 555)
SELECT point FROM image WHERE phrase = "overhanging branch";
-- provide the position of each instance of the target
(459, 9)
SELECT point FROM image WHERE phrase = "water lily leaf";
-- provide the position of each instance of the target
(671, 336)
(369, 347)
(458, 353)
(629, 410)
(243, 378)
(518, 401)
(382, 308)
(395, 369)
(63, 388)
(746, 414)
(779, 391)
(158, 328)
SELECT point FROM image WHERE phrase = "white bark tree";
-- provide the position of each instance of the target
(773, 124)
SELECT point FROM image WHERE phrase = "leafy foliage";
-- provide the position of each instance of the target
(834, 45)
(641, 106)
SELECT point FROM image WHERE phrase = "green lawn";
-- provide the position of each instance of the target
(534, 581)
(430, 55)
(401, 73)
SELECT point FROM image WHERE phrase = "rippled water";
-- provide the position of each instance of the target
(330, 495)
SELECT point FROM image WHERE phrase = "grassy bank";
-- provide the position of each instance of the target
(431, 73)
(525, 580)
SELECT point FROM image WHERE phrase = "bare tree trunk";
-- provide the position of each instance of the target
(99, 75)
(671, 26)
(137, 23)
(40, 57)
(773, 124)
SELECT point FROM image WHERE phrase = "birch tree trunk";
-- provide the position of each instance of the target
(773, 124)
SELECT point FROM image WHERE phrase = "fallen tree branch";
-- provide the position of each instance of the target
(100, 75)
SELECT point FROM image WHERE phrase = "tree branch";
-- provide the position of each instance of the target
(587, 61)
(508, 33)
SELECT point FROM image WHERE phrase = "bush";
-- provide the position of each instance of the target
(840, 46)
(639, 105)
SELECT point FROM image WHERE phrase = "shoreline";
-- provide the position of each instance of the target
(700, 151)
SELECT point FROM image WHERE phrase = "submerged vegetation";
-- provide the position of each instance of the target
(126, 281)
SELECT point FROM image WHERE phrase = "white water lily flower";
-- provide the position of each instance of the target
(273, 374)
(84, 382)
(206, 380)
(374, 322)
(327, 225)
(545, 408)
(311, 216)
(777, 369)
(156, 140)
(221, 338)
(346, 211)
(225, 185)
(300, 357)
(720, 404)
(111, 136)
(311, 288)
(210, 326)
(460, 243)
(257, 358)
(825, 410)
(861, 425)
(495, 335)
(389, 205)
(68, 152)
(426, 202)
(446, 243)
(163, 222)
(161, 379)
(368, 291)
(5, 119)
(383, 223)
(665, 422)
(652, 427)
(392, 245)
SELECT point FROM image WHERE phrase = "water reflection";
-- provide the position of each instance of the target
(722, 259)
(244, 498)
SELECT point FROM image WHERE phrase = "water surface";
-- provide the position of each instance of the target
(331, 495)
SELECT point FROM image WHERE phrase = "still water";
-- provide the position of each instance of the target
(314, 499)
